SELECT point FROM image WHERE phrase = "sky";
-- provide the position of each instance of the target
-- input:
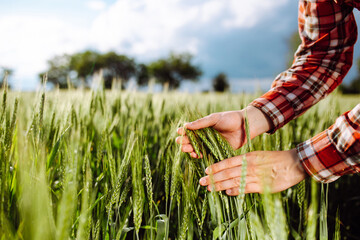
(245, 39)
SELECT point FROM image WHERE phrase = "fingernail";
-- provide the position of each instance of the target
(228, 191)
(207, 170)
(202, 181)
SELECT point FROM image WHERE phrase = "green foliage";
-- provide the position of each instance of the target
(220, 83)
(116, 67)
(58, 72)
(173, 70)
(354, 86)
(143, 75)
(67, 71)
(4, 75)
(293, 43)
(85, 63)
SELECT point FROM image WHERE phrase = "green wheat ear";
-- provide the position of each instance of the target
(194, 141)
(202, 135)
(224, 144)
(247, 131)
(3, 109)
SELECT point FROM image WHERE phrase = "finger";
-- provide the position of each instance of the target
(224, 185)
(231, 183)
(221, 176)
(204, 122)
(182, 140)
(181, 131)
(233, 191)
(253, 188)
(194, 155)
(187, 148)
(249, 188)
(224, 164)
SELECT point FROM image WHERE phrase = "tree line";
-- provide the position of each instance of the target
(78, 70)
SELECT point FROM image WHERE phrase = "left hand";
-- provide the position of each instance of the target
(279, 170)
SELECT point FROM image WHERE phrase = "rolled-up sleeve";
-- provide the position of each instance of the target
(335, 151)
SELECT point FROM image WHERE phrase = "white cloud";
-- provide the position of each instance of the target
(245, 13)
(148, 27)
(96, 5)
(137, 27)
(28, 41)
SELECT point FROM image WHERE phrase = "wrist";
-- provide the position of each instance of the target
(299, 170)
(259, 122)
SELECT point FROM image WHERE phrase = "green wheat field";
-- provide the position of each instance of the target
(104, 165)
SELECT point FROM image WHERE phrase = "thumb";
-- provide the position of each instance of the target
(204, 122)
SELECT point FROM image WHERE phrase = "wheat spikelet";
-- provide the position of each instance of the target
(96, 230)
(193, 141)
(137, 188)
(122, 174)
(203, 213)
(41, 110)
(124, 195)
(301, 193)
(148, 180)
(3, 109)
(186, 217)
(215, 144)
(224, 145)
(10, 129)
(167, 179)
(204, 139)
(111, 162)
(241, 195)
(176, 168)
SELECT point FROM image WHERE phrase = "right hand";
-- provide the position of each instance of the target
(231, 125)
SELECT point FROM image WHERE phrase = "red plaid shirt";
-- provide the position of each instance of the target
(328, 32)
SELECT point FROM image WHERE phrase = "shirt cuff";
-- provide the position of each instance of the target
(276, 107)
(320, 158)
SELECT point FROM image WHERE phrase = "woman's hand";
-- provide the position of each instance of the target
(278, 170)
(231, 125)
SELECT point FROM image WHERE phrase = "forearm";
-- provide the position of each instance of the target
(258, 121)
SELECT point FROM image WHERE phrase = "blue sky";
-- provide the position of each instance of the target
(245, 39)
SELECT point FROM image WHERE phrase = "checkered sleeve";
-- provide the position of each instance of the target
(328, 32)
(335, 151)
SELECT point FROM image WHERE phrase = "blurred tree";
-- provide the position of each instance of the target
(85, 64)
(171, 71)
(58, 71)
(116, 67)
(354, 86)
(174, 69)
(142, 75)
(5, 72)
(220, 83)
(293, 43)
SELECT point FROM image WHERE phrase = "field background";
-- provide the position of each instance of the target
(104, 165)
